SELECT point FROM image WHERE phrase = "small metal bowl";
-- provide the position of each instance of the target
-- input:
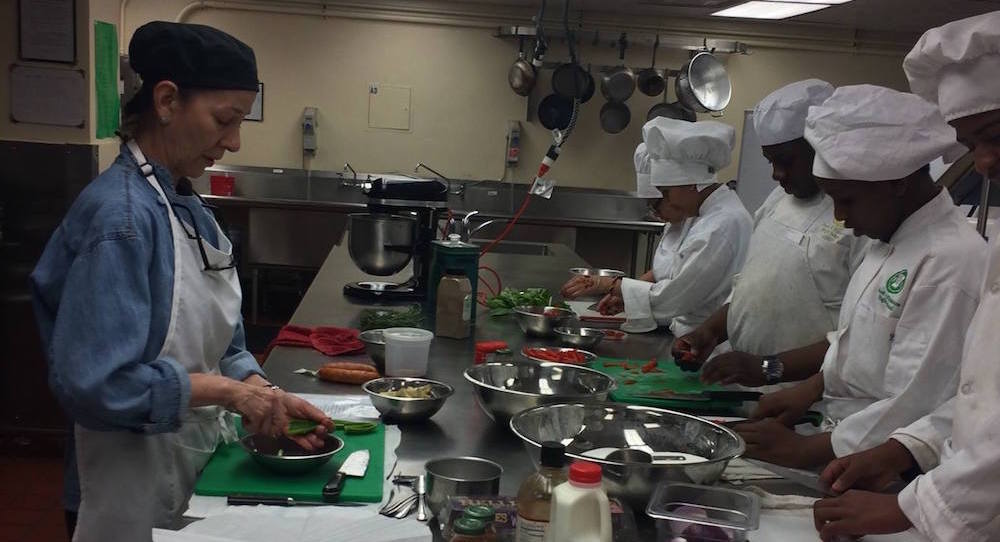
(407, 409)
(584, 337)
(375, 348)
(541, 321)
(283, 455)
(587, 272)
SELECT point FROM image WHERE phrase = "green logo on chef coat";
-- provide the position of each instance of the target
(896, 282)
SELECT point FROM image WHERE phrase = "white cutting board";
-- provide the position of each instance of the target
(582, 310)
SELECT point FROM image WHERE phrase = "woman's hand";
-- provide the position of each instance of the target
(790, 404)
(581, 286)
(611, 305)
(267, 411)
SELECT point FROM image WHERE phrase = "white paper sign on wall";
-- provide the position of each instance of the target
(388, 106)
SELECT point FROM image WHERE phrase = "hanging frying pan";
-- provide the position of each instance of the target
(703, 85)
(650, 81)
(615, 117)
(672, 110)
(521, 75)
(619, 83)
(555, 112)
(570, 79)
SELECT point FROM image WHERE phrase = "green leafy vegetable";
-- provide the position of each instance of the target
(383, 318)
(297, 427)
(504, 302)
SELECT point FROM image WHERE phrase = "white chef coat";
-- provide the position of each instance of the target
(960, 499)
(895, 357)
(693, 266)
(790, 289)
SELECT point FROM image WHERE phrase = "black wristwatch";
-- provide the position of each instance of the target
(773, 369)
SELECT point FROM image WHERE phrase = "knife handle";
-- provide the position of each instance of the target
(731, 395)
(333, 487)
(253, 500)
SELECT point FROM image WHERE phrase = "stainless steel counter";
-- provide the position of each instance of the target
(460, 428)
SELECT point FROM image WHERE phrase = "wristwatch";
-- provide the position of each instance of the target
(773, 369)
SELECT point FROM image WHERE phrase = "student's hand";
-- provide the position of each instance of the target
(873, 470)
(267, 411)
(734, 368)
(611, 305)
(858, 513)
(581, 286)
(768, 440)
(789, 405)
(691, 350)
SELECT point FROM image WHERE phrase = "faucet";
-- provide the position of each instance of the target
(459, 191)
(466, 232)
(347, 167)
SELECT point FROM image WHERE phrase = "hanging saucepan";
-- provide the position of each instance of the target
(703, 84)
(521, 75)
(572, 81)
(650, 81)
(615, 117)
(555, 112)
(672, 110)
(618, 84)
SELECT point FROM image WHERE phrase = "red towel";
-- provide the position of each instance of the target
(332, 341)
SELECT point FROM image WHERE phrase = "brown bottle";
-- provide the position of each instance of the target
(534, 499)
(454, 306)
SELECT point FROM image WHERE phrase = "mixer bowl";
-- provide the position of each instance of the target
(381, 244)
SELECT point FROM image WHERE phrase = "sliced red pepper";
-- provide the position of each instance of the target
(649, 366)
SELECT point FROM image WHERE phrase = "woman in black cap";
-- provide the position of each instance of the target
(138, 300)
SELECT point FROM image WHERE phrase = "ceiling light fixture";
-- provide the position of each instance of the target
(770, 10)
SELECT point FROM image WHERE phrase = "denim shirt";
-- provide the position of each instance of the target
(102, 293)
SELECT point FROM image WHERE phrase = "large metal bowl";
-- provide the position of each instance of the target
(592, 432)
(541, 321)
(582, 337)
(381, 244)
(375, 347)
(283, 456)
(407, 409)
(504, 389)
(703, 84)
(460, 477)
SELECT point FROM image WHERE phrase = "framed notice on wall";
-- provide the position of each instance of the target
(47, 30)
(48, 95)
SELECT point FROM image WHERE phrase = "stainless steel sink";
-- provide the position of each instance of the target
(514, 247)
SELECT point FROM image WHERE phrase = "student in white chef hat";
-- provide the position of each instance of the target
(893, 358)
(705, 242)
(957, 496)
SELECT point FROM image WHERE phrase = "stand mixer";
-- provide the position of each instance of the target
(400, 225)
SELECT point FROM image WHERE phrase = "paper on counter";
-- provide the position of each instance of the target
(797, 525)
(343, 407)
(312, 524)
(164, 535)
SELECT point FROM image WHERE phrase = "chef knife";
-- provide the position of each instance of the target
(709, 395)
(355, 465)
(801, 477)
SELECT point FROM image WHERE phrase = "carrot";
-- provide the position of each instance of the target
(332, 373)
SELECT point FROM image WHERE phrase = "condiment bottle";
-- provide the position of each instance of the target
(454, 305)
(580, 508)
(487, 515)
(534, 498)
(468, 530)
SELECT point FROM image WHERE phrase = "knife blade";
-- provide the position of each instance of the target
(355, 466)
(253, 500)
(709, 395)
(803, 478)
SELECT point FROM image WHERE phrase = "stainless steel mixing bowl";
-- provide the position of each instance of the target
(541, 321)
(375, 348)
(283, 456)
(381, 244)
(580, 337)
(460, 477)
(505, 389)
(407, 409)
(684, 448)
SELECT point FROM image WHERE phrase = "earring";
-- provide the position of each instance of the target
(164, 120)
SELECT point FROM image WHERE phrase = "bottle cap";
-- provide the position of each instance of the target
(553, 454)
(585, 472)
(464, 525)
(454, 237)
(483, 513)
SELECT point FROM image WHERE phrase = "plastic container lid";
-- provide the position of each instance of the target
(585, 472)
(481, 512)
(553, 454)
(705, 505)
(464, 525)
(407, 334)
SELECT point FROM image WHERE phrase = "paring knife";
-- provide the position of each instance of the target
(803, 478)
(710, 395)
(355, 465)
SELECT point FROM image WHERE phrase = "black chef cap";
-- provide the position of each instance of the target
(192, 56)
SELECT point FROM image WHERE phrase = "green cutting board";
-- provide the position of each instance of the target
(671, 378)
(231, 471)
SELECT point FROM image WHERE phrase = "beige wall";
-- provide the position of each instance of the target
(460, 99)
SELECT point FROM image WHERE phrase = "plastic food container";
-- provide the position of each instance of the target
(406, 351)
(696, 513)
(222, 185)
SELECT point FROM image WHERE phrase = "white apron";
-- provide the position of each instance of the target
(132, 482)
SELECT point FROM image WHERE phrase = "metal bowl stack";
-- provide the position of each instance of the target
(407, 409)
(681, 447)
(283, 455)
(375, 347)
(542, 321)
(505, 389)
(583, 337)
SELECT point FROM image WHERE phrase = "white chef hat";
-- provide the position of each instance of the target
(781, 116)
(871, 133)
(957, 66)
(643, 187)
(685, 153)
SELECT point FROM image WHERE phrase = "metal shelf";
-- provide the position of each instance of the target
(610, 39)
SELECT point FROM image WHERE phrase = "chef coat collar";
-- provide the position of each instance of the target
(929, 213)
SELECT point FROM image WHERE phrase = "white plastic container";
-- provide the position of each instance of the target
(406, 351)
(580, 508)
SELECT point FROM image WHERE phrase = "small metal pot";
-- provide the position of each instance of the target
(703, 85)
(460, 477)
(651, 81)
(615, 117)
(673, 110)
(521, 75)
(572, 81)
(618, 84)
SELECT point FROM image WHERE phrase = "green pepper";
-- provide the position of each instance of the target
(298, 427)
